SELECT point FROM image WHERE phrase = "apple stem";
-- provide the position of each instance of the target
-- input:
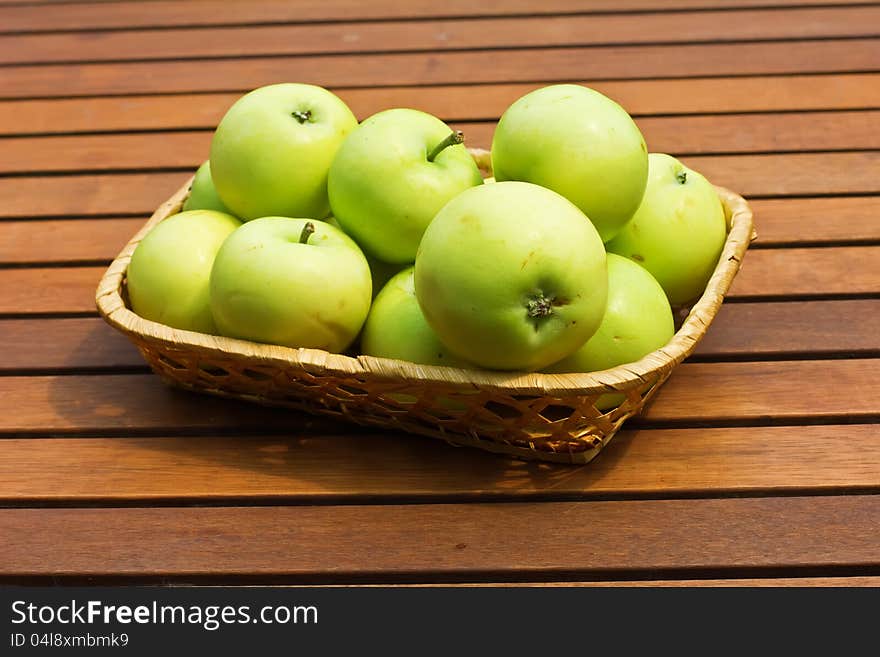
(539, 306)
(456, 137)
(302, 116)
(307, 231)
(682, 177)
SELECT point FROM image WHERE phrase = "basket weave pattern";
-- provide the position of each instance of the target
(550, 417)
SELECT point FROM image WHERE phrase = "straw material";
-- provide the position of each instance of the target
(549, 417)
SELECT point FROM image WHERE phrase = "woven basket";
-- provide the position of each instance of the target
(549, 417)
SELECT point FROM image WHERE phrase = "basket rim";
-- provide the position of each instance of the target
(111, 306)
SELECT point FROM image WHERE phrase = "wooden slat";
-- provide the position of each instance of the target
(791, 174)
(87, 195)
(599, 63)
(133, 402)
(747, 330)
(817, 219)
(61, 344)
(424, 541)
(741, 330)
(83, 16)
(42, 289)
(674, 135)
(769, 391)
(527, 31)
(793, 272)
(658, 462)
(65, 240)
(752, 392)
(765, 273)
(456, 103)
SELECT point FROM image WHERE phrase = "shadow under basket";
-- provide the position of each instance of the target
(548, 417)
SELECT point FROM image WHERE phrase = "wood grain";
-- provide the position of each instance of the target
(791, 174)
(164, 13)
(768, 391)
(64, 344)
(753, 330)
(424, 542)
(454, 103)
(66, 240)
(675, 135)
(599, 63)
(833, 219)
(132, 403)
(90, 195)
(367, 468)
(800, 272)
(519, 32)
(741, 330)
(753, 392)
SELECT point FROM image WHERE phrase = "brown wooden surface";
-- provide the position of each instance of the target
(575, 30)
(367, 70)
(216, 12)
(436, 541)
(757, 464)
(344, 467)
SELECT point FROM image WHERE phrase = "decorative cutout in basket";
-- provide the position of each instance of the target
(549, 417)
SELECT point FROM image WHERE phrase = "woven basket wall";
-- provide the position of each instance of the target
(549, 417)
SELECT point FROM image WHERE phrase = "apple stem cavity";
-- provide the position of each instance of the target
(681, 177)
(456, 137)
(303, 116)
(306, 233)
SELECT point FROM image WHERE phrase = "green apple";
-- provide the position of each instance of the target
(392, 175)
(579, 143)
(202, 195)
(291, 282)
(678, 231)
(168, 275)
(637, 321)
(272, 150)
(381, 272)
(511, 276)
(396, 327)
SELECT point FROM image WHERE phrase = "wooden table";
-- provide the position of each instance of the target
(759, 463)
